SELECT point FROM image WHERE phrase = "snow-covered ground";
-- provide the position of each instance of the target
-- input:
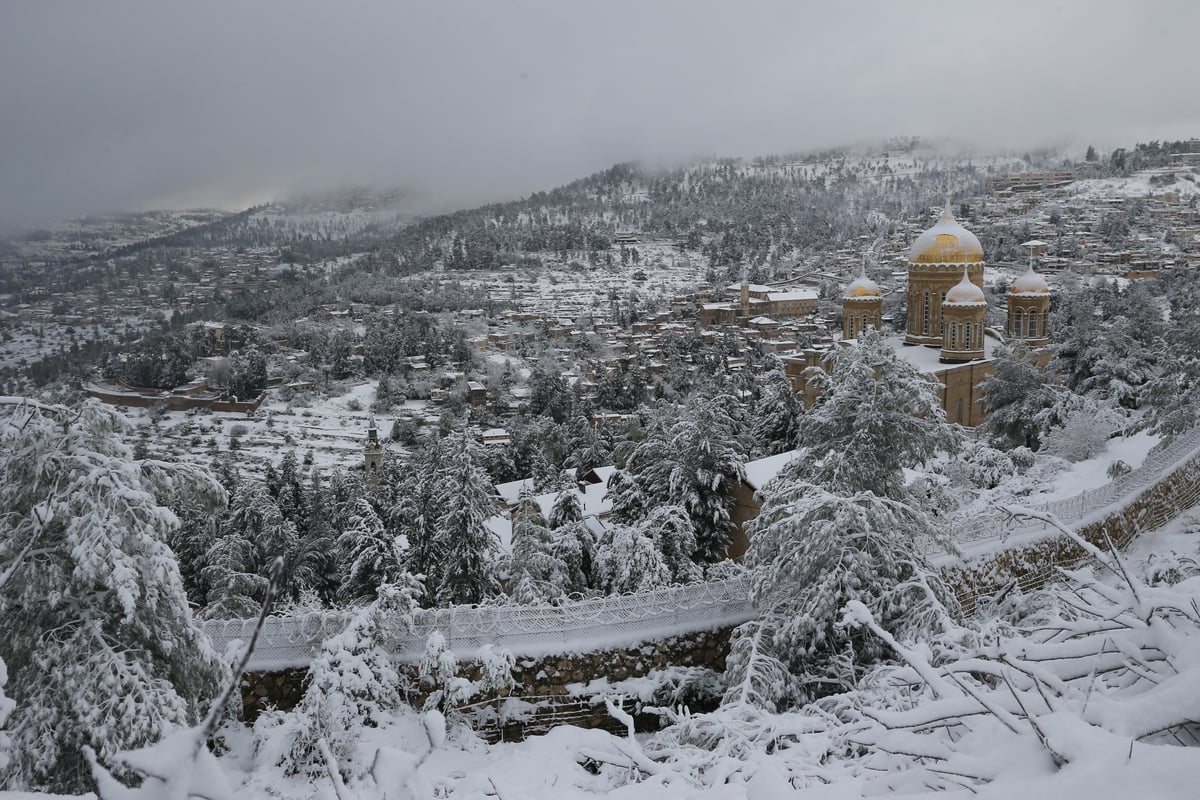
(1147, 183)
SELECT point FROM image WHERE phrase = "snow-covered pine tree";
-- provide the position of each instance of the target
(1173, 395)
(629, 561)
(535, 573)
(468, 548)
(875, 417)
(99, 640)
(372, 557)
(352, 684)
(813, 551)
(6, 709)
(235, 588)
(574, 546)
(419, 507)
(255, 517)
(586, 448)
(670, 528)
(567, 506)
(692, 461)
(1016, 395)
(775, 416)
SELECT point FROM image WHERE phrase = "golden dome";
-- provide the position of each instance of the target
(965, 292)
(1030, 283)
(946, 242)
(862, 286)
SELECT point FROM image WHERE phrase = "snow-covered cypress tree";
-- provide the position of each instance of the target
(99, 641)
(468, 548)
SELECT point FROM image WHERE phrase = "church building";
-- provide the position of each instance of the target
(946, 336)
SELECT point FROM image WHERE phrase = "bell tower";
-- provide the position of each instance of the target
(373, 453)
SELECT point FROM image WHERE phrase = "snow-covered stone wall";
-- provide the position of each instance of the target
(553, 688)
(1033, 564)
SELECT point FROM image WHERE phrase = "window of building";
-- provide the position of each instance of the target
(1033, 324)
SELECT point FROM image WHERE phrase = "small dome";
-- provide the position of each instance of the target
(946, 242)
(1030, 283)
(862, 286)
(965, 292)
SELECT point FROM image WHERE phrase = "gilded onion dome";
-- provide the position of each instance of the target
(862, 286)
(1030, 283)
(946, 242)
(964, 292)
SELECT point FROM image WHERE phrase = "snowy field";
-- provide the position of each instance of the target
(1147, 183)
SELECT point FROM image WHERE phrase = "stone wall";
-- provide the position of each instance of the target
(1033, 565)
(553, 682)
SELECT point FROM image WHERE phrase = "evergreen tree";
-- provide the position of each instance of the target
(692, 462)
(536, 574)
(372, 556)
(629, 561)
(468, 548)
(419, 507)
(814, 550)
(875, 417)
(235, 587)
(99, 642)
(670, 528)
(1017, 397)
(776, 415)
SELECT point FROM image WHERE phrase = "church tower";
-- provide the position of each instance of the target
(862, 306)
(373, 454)
(964, 317)
(1029, 306)
(938, 258)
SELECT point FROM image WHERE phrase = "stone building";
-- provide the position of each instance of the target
(946, 338)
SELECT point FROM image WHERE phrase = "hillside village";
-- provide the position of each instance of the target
(605, 408)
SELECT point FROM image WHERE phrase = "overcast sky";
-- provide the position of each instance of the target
(116, 105)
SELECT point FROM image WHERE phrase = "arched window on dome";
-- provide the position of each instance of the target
(925, 316)
(1033, 325)
(1018, 330)
(967, 337)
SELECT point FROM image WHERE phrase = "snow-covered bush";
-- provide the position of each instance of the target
(1083, 435)
(439, 670)
(986, 467)
(352, 683)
